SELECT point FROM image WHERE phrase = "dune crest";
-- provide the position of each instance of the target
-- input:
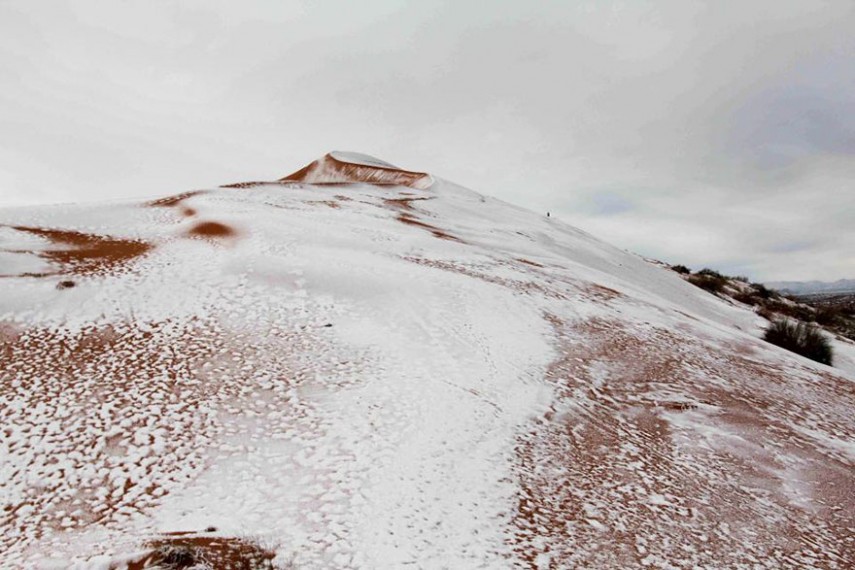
(347, 167)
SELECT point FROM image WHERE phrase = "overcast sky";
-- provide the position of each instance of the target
(709, 133)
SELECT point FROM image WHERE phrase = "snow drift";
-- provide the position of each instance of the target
(359, 366)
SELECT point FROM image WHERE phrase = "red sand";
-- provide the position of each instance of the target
(351, 173)
(609, 481)
(211, 229)
(85, 254)
(437, 232)
(330, 171)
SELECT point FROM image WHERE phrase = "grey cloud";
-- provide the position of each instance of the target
(696, 132)
(610, 204)
(808, 114)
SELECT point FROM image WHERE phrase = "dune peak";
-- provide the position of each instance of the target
(344, 167)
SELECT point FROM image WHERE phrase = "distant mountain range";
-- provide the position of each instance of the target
(808, 287)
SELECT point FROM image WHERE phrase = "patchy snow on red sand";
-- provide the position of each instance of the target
(358, 366)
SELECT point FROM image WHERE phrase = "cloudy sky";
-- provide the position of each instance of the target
(708, 133)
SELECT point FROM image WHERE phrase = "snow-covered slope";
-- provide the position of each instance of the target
(394, 371)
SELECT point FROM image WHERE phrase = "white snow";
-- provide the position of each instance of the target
(358, 158)
(389, 438)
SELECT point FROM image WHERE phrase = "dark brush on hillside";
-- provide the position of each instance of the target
(800, 337)
(709, 280)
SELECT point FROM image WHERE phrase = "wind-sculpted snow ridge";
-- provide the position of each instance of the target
(347, 167)
(340, 167)
(355, 375)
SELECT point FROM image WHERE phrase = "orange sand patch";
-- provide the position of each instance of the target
(211, 230)
(437, 232)
(330, 171)
(86, 254)
(301, 174)
(335, 171)
(404, 203)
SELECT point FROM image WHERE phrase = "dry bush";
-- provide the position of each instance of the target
(800, 337)
(195, 552)
(708, 280)
(764, 292)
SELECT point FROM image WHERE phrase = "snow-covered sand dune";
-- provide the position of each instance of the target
(363, 367)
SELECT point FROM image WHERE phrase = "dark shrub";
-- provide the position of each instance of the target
(797, 311)
(829, 315)
(706, 271)
(178, 557)
(193, 551)
(712, 281)
(763, 291)
(682, 269)
(765, 313)
(800, 338)
(748, 298)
